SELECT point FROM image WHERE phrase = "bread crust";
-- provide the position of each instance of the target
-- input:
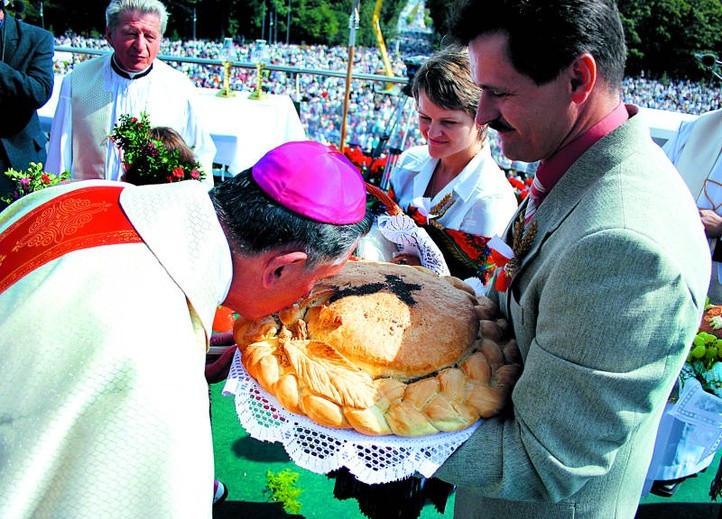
(385, 349)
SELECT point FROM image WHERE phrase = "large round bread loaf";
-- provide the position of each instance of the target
(385, 349)
(394, 322)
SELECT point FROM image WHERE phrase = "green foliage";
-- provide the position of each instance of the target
(148, 160)
(319, 21)
(440, 11)
(283, 489)
(311, 21)
(32, 179)
(662, 35)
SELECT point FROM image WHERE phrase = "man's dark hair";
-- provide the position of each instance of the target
(545, 36)
(256, 223)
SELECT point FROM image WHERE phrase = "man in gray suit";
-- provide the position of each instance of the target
(26, 84)
(610, 270)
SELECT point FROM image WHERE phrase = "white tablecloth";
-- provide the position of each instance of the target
(243, 130)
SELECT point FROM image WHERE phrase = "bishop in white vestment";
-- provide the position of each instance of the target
(107, 295)
(105, 402)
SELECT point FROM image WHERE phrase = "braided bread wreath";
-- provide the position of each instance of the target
(385, 349)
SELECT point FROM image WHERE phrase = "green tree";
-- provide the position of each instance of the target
(440, 12)
(664, 35)
(318, 21)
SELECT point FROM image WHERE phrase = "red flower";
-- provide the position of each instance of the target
(45, 178)
(520, 185)
(178, 172)
(515, 182)
(355, 155)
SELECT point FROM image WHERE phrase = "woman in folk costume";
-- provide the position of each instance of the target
(454, 190)
(451, 186)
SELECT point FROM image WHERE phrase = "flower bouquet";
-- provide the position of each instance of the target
(147, 158)
(704, 362)
(372, 168)
(520, 184)
(32, 179)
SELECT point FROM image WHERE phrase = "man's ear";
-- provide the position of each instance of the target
(583, 76)
(281, 265)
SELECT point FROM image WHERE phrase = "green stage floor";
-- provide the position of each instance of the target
(242, 464)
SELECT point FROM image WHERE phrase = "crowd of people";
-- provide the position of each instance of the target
(595, 326)
(372, 107)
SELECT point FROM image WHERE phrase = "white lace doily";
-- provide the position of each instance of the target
(409, 237)
(321, 449)
(702, 411)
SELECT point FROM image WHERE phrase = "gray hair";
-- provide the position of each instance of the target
(117, 7)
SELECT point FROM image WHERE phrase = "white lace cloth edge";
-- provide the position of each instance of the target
(703, 412)
(409, 237)
(321, 449)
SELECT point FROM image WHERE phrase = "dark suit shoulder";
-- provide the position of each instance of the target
(33, 31)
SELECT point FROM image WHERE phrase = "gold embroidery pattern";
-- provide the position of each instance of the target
(59, 221)
(439, 210)
(86, 218)
(58, 249)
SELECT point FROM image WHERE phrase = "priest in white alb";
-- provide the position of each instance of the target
(128, 81)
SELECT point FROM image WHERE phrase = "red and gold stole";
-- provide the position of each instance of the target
(79, 219)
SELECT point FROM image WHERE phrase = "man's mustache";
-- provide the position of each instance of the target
(499, 126)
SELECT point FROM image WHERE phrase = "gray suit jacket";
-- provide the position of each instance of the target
(604, 307)
(26, 84)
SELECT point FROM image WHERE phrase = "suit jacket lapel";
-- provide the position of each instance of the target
(567, 194)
